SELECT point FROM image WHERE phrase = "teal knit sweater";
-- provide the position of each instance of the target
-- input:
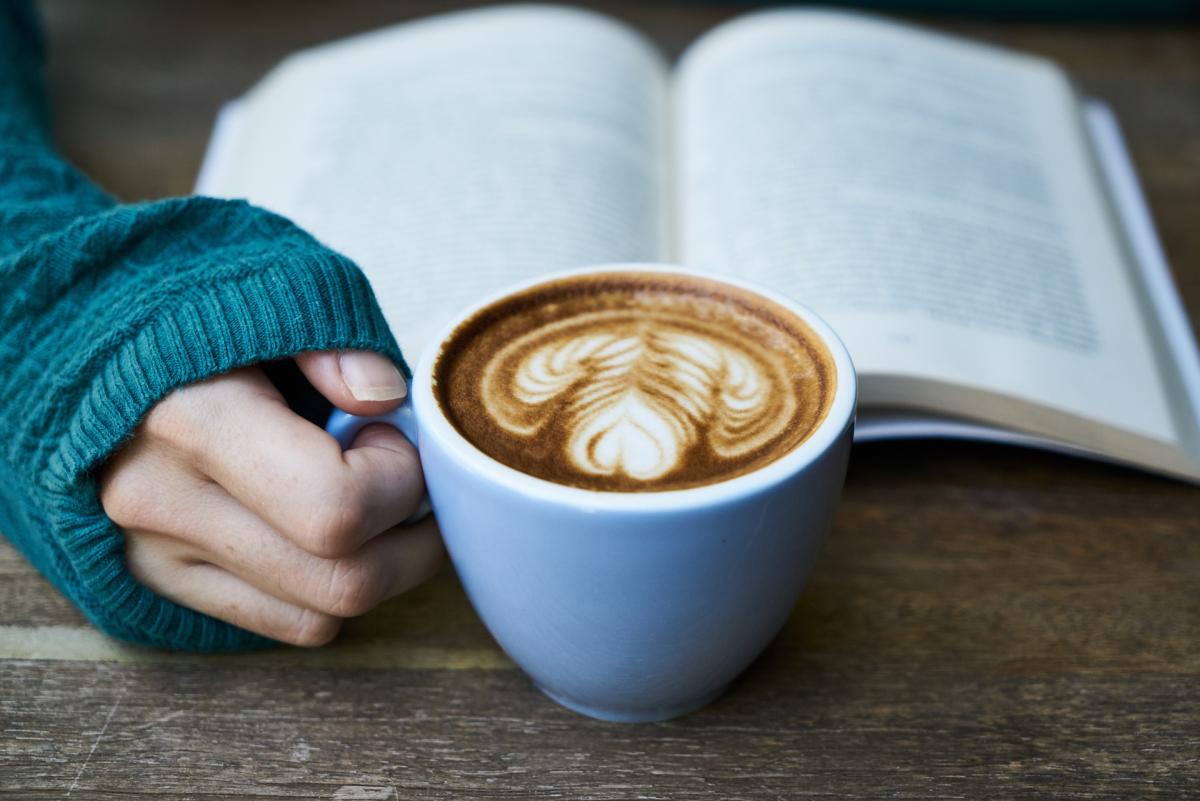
(107, 307)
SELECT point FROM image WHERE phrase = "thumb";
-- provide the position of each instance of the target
(355, 381)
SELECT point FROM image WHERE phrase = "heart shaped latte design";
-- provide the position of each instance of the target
(633, 397)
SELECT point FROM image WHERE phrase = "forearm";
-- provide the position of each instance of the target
(99, 323)
(105, 309)
(39, 191)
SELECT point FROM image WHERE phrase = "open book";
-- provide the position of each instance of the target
(970, 227)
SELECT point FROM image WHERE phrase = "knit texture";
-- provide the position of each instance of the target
(104, 309)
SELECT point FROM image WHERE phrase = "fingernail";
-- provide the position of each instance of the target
(370, 376)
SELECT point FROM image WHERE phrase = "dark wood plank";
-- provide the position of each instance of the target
(984, 623)
(812, 729)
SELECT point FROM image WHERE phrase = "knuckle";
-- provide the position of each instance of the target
(310, 629)
(351, 588)
(399, 458)
(126, 498)
(408, 461)
(331, 528)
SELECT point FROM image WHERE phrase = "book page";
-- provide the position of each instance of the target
(934, 200)
(880, 423)
(453, 156)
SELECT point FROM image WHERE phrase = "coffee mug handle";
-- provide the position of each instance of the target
(345, 427)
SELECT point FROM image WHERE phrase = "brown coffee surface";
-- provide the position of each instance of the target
(634, 382)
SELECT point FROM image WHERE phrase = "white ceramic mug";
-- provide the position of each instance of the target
(630, 606)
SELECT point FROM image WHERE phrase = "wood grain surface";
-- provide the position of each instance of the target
(984, 622)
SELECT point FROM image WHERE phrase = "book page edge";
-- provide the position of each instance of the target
(1120, 178)
(894, 425)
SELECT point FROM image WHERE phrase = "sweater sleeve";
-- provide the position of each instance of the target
(104, 309)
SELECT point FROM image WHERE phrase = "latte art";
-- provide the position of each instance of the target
(633, 395)
(634, 382)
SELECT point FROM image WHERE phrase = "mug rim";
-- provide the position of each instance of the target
(432, 421)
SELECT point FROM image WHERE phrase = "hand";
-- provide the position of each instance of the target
(234, 505)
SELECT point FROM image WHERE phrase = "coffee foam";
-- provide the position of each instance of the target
(631, 382)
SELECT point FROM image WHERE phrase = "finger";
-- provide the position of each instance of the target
(240, 433)
(158, 564)
(230, 536)
(356, 381)
(154, 494)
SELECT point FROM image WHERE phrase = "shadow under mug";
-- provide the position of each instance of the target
(629, 606)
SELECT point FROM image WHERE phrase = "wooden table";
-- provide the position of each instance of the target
(984, 622)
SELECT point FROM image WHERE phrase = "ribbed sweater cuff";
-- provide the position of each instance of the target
(314, 299)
